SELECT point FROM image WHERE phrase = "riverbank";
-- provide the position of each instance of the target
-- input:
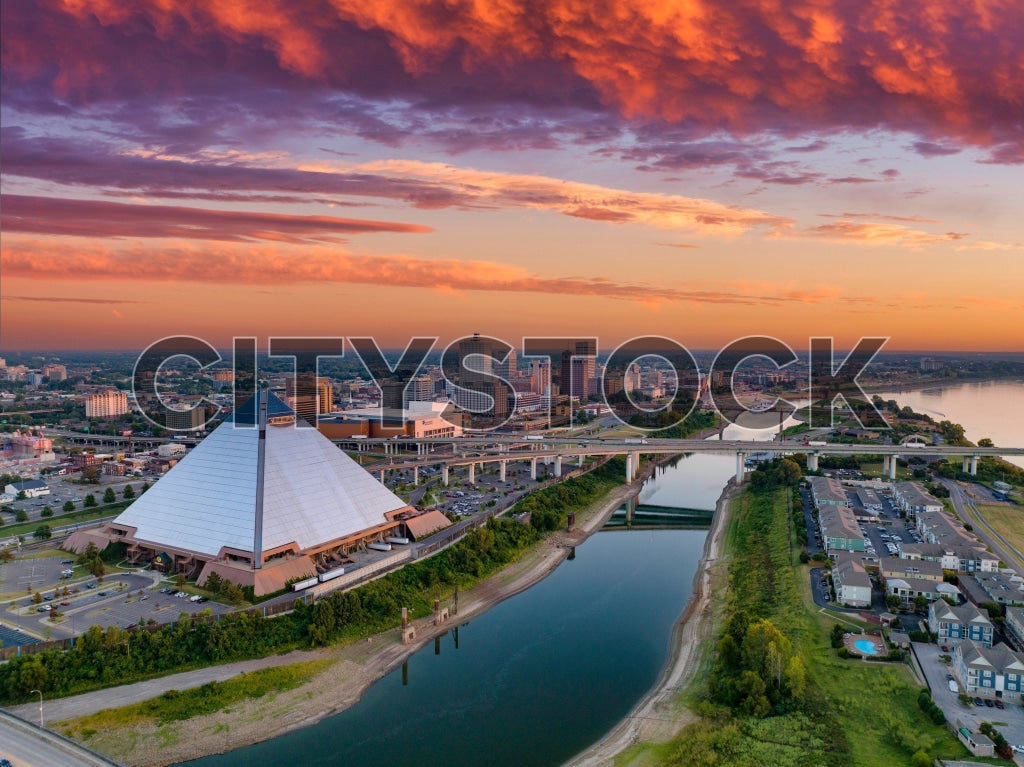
(658, 716)
(356, 666)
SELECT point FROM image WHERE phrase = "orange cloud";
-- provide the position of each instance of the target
(228, 264)
(942, 67)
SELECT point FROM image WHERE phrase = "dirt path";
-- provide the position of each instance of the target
(659, 715)
(340, 686)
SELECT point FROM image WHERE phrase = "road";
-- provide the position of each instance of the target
(27, 745)
(90, 702)
(968, 513)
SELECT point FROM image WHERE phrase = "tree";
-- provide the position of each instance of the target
(893, 602)
(838, 633)
(985, 442)
(128, 493)
(179, 581)
(20, 496)
(233, 593)
(69, 506)
(90, 501)
(920, 602)
(47, 511)
(43, 532)
(21, 515)
(37, 598)
(92, 474)
(109, 496)
(214, 583)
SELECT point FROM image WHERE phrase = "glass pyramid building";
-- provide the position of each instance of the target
(258, 511)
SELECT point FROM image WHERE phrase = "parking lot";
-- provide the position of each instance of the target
(1008, 720)
(63, 490)
(19, 576)
(122, 601)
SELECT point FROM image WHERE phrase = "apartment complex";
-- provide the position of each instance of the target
(106, 404)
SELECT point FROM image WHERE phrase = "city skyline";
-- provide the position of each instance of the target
(617, 170)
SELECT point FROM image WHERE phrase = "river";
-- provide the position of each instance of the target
(993, 409)
(538, 677)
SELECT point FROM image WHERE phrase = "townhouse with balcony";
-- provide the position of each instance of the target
(995, 672)
(954, 624)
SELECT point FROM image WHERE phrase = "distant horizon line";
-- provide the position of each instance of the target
(440, 347)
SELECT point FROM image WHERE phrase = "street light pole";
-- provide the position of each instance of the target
(40, 705)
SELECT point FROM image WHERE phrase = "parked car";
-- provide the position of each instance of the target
(989, 703)
(945, 648)
(999, 704)
(979, 702)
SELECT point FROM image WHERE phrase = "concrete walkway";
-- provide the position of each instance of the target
(91, 702)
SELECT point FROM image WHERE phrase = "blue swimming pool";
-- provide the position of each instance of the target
(866, 646)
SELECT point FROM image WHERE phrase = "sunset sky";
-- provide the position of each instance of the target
(701, 169)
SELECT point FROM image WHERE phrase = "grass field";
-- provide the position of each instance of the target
(1007, 520)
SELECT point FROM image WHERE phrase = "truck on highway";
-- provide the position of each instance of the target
(815, 443)
(634, 441)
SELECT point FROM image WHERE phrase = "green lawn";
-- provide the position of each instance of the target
(1007, 520)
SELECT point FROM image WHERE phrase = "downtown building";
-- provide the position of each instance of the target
(106, 404)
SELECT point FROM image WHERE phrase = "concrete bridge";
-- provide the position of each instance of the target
(647, 516)
(475, 451)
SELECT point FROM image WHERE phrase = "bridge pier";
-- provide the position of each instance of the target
(382, 476)
(444, 474)
(533, 469)
(629, 467)
(501, 470)
(885, 464)
(812, 462)
(415, 475)
(963, 466)
(581, 459)
(892, 467)
(974, 465)
(558, 466)
(472, 473)
(740, 467)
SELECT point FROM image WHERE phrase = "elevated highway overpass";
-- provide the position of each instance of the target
(473, 451)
